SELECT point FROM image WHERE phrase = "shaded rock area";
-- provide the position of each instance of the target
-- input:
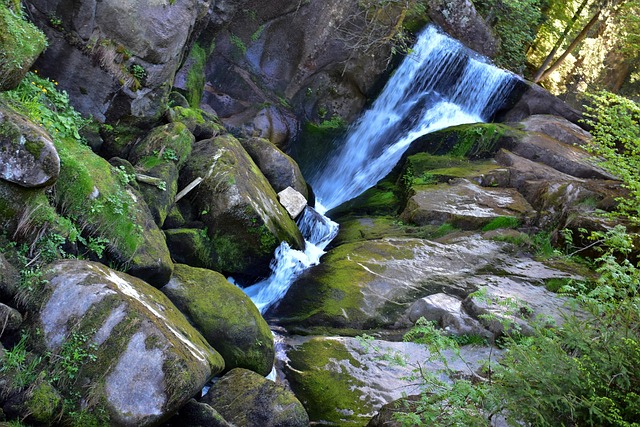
(154, 360)
(245, 398)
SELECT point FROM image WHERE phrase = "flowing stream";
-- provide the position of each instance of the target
(440, 84)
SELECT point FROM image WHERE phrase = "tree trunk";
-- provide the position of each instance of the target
(572, 46)
(559, 42)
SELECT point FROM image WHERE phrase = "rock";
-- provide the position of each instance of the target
(20, 44)
(465, 205)
(9, 280)
(245, 398)
(280, 170)
(570, 159)
(529, 99)
(169, 143)
(27, 155)
(125, 52)
(344, 381)
(43, 404)
(149, 360)
(293, 201)
(557, 128)
(198, 414)
(225, 316)
(190, 246)
(201, 124)
(95, 193)
(386, 415)
(522, 171)
(158, 186)
(371, 285)
(244, 219)
(446, 311)
(460, 19)
(10, 319)
(272, 124)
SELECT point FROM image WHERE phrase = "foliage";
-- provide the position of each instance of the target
(615, 123)
(516, 23)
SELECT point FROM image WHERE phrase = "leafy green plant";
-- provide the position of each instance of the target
(20, 365)
(138, 72)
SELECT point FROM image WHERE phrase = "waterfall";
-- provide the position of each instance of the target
(438, 85)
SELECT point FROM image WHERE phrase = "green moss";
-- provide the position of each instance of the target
(502, 222)
(44, 403)
(196, 77)
(20, 43)
(479, 140)
(34, 147)
(324, 387)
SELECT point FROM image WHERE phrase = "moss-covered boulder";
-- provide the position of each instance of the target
(27, 154)
(280, 170)
(146, 360)
(225, 316)
(190, 246)
(197, 414)
(20, 44)
(244, 219)
(159, 185)
(245, 398)
(169, 143)
(98, 196)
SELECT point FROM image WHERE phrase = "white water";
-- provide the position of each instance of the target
(437, 86)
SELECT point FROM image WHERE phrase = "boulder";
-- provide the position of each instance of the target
(465, 205)
(529, 99)
(99, 197)
(197, 414)
(245, 398)
(9, 280)
(460, 19)
(280, 170)
(201, 124)
(169, 143)
(190, 246)
(557, 128)
(371, 285)
(293, 202)
(244, 220)
(10, 320)
(344, 381)
(20, 43)
(158, 185)
(27, 154)
(147, 359)
(225, 316)
(124, 52)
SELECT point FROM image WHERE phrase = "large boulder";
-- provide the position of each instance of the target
(147, 360)
(245, 222)
(225, 316)
(20, 44)
(98, 196)
(125, 52)
(27, 154)
(245, 398)
(280, 170)
(9, 280)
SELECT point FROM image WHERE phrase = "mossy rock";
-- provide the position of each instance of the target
(169, 143)
(383, 199)
(244, 220)
(146, 359)
(20, 44)
(245, 398)
(97, 196)
(159, 194)
(44, 404)
(191, 246)
(318, 375)
(225, 316)
(201, 124)
(27, 154)
(9, 280)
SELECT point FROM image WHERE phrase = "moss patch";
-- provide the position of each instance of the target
(321, 382)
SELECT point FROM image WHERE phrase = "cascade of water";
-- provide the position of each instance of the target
(437, 86)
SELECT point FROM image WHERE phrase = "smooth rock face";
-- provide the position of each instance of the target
(558, 128)
(293, 201)
(27, 155)
(464, 204)
(244, 219)
(446, 311)
(225, 316)
(153, 359)
(245, 398)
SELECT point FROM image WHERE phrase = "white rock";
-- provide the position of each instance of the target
(293, 201)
